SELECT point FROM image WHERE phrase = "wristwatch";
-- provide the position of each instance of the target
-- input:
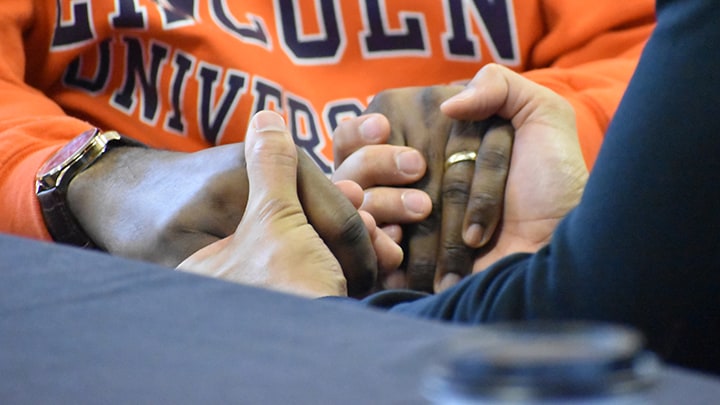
(53, 178)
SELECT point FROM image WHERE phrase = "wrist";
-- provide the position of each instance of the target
(96, 197)
(54, 177)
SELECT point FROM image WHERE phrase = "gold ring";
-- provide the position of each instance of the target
(457, 157)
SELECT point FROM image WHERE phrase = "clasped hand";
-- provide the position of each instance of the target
(300, 234)
(275, 246)
(463, 217)
(164, 206)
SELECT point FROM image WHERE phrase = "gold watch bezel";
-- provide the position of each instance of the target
(73, 158)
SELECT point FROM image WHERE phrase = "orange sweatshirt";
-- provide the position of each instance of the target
(189, 74)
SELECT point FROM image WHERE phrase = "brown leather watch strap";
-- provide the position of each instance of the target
(60, 222)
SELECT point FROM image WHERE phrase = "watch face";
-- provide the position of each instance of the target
(69, 151)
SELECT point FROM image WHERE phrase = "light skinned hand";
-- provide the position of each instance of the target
(547, 175)
(381, 170)
(389, 204)
(274, 246)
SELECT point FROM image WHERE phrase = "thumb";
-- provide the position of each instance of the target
(497, 90)
(271, 159)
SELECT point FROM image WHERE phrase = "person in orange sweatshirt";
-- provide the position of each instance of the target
(183, 77)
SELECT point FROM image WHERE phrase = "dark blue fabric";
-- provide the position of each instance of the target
(643, 246)
(83, 327)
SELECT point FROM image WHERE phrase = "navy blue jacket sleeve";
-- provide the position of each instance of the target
(643, 246)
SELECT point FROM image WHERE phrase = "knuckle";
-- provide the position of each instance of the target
(471, 128)
(342, 134)
(429, 226)
(455, 191)
(351, 230)
(381, 100)
(431, 95)
(366, 160)
(457, 257)
(482, 203)
(494, 158)
(357, 162)
(430, 99)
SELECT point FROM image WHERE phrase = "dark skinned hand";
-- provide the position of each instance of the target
(274, 246)
(466, 199)
(163, 206)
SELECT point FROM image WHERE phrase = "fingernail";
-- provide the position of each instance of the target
(370, 130)
(410, 163)
(268, 121)
(473, 235)
(448, 281)
(416, 201)
(467, 93)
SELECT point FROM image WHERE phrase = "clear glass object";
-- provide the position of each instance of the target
(543, 363)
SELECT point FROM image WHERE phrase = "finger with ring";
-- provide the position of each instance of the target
(462, 156)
